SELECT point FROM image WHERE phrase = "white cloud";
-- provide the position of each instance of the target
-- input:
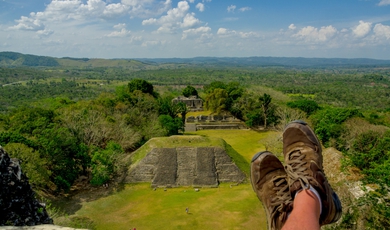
(292, 27)
(121, 33)
(190, 21)
(362, 29)
(312, 34)
(44, 33)
(249, 34)
(174, 19)
(231, 8)
(93, 8)
(229, 33)
(243, 9)
(25, 23)
(222, 31)
(200, 7)
(382, 31)
(191, 1)
(115, 10)
(195, 32)
(76, 10)
(384, 3)
(120, 26)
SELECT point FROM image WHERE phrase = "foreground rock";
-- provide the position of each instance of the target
(18, 205)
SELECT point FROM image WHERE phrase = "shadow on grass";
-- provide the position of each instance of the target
(70, 203)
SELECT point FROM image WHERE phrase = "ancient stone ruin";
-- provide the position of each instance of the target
(18, 205)
(193, 102)
(186, 166)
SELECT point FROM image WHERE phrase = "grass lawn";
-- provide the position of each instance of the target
(227, 207)
(138, 206)
(245, 142)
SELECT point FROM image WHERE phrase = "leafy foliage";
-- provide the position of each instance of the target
(370, 153)
(171, 125)
(216, 101)
(169, 115)
(307, 106)
(328, 122)
(104, 163)
(141, 85)
(33, 165)
(189, 91)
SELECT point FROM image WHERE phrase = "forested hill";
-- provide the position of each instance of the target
(13, 59)
(272, 61)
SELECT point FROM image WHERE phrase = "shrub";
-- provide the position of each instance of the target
(35, 167)
(328, 122)
(103, 163)
(171, 125)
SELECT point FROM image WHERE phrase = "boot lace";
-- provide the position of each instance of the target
(296, 169)
(282, 202)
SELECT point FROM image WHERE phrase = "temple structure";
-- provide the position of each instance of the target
(193, 102)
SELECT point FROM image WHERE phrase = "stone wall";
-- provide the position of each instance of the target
(186, 166)
(201, 122)
(193, 102)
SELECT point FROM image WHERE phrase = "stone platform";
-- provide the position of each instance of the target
(186, 166)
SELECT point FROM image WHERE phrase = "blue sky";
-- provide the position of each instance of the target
(192, 28)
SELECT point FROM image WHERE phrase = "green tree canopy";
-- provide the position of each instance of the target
(141, 85)
(214, 85)
(328, 122)
(216, 101)
(189, 91)
(307, 106)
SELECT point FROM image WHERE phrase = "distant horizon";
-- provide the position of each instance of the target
(132, 29)
(133, 58)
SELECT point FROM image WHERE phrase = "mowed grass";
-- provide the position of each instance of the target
(245, 142)
(139, 206)
(227, 207)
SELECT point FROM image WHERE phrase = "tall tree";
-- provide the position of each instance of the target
(265, 102)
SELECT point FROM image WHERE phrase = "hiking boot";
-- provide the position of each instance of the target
(269, 181)
(303, 164)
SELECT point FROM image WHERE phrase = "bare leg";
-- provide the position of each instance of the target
(306, 212)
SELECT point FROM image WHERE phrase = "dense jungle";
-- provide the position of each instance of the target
(69, 118)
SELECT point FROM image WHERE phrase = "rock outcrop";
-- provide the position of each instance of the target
(186, 166)
(18, 205)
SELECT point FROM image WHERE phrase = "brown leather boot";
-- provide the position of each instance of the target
(303, 163)
(269, 181)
